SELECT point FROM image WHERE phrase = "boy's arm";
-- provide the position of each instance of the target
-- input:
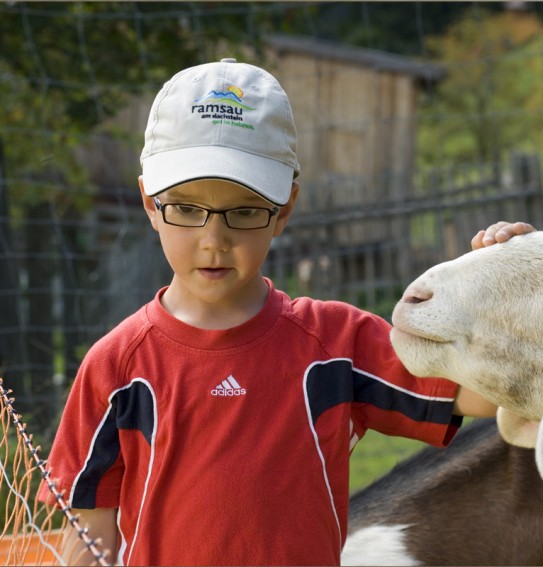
(471, 404)
(102, 524)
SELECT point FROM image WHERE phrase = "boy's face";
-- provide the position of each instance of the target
(214, 264)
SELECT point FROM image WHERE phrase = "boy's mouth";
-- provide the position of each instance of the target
(214, 273)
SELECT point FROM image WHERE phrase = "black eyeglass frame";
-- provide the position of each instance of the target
(162, 208)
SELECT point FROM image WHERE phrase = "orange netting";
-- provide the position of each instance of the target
(31, 532)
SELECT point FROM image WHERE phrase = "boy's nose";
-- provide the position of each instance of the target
(215, 233)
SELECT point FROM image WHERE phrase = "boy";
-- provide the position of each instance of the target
(214, 426)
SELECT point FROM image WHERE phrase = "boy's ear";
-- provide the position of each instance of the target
(148, 204)
(286, 210)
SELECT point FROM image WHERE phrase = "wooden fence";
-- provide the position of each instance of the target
(67, 280)
(367, 254)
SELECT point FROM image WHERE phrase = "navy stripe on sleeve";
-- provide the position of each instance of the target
(130, 408)
(333, 382)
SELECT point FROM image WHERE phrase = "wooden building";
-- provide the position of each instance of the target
(355, 111)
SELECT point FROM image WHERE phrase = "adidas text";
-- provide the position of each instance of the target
(228, 388)
(229, 393)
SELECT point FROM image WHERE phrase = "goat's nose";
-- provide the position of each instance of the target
(417, 295)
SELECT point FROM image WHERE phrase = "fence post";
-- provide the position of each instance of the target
(11, 353)
(526, 171)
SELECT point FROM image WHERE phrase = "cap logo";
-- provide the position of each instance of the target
(223, 107)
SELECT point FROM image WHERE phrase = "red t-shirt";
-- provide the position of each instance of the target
(232, 447)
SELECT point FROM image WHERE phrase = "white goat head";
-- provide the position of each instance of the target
(478, 320)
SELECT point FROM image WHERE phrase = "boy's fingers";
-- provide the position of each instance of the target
(499, 232)
(477, 240)
(512, 229)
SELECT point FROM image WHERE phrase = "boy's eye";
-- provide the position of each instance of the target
(245, 213)
(187, 210)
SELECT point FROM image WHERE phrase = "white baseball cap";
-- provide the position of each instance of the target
(224, 120)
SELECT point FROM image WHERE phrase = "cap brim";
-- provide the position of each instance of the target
(267, 177)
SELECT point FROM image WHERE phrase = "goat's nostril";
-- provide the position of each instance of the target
(418, 296)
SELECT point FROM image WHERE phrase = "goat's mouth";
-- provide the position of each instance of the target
(418, 334)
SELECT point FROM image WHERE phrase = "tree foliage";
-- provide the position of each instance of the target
(66, 67)
(490, 100)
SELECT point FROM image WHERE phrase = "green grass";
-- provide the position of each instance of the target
(376, 454)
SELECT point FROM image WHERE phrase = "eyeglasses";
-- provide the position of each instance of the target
(241, 218)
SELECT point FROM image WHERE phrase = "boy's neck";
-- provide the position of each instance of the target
(217, 315)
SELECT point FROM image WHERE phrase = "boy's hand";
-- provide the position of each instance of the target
(499, 232)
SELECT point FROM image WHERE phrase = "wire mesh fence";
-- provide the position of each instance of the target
(77, 254)
(72, 278)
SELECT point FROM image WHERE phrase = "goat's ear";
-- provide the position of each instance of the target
(517, 430)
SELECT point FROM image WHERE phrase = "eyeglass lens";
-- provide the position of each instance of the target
(242, 218)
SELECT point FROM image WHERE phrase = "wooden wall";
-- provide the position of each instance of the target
(356, 129)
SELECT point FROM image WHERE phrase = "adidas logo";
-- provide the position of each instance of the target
(228, 388)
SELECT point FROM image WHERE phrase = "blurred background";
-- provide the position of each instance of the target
(419, 123)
